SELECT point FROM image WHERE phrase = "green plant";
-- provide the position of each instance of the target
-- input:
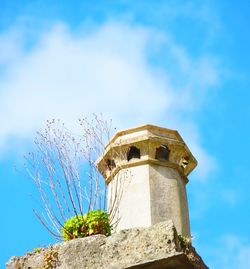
(75, 227)
(67, 178)
(98, 222)
(94, 222)
(38, 250)
(185, 242)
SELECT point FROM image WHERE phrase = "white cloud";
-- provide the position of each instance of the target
(107, 70)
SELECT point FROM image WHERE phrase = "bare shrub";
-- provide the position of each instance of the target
(63, 167)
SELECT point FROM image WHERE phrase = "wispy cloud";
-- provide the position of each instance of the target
(69, 75)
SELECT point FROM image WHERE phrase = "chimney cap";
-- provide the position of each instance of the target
(149, 127)
(147, 138)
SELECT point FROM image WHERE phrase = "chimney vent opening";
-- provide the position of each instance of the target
(162, 153)
(184, 162)
(110, 164)
(133, 152)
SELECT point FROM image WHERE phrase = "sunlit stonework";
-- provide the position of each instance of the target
(153, 164)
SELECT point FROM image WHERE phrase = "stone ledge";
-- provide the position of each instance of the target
(156, 247)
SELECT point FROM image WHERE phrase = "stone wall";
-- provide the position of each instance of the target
(156, 247)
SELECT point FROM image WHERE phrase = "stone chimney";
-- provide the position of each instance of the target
(149, 166)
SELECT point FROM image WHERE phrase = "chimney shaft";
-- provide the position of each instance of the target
(146, 171)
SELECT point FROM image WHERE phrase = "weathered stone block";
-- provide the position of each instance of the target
(156, 247)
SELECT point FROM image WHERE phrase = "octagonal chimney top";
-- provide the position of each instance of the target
(146, 144)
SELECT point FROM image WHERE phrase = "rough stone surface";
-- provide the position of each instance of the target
(156, 247)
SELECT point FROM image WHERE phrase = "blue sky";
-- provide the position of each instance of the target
(179, 64)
